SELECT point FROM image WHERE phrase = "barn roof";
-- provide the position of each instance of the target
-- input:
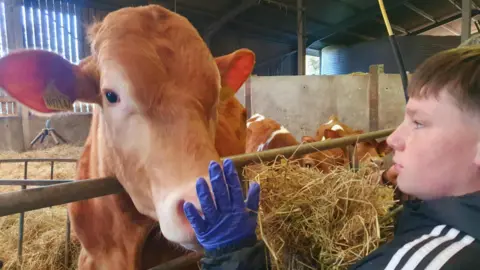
(328, 22)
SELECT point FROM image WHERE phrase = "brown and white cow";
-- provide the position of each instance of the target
(264, 133)
(368, 152)
(158, 122)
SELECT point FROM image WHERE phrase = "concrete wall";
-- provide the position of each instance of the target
(302, 103)
(73, 128)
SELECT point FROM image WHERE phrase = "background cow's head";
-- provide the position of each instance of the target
(158, 89)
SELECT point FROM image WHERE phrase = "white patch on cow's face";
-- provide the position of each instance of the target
(336, 127)
(158, 160)
(127, 131)
(282, 130)
(323, 138)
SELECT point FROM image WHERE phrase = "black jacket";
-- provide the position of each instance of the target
(439, 234)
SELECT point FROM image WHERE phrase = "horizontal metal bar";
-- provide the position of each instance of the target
(17, 182)
(36, 198)
(300, 150)
(18, 160)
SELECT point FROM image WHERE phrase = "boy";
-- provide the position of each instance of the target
(437, 157)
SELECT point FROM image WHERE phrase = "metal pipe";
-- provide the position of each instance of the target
(67, 240)
(396, 50)
(51, 169)
(42, 197)
(22, 217)
(36, 198)
(300, 150)
(18, 160)
(19, 182)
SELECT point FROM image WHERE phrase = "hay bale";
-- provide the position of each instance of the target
(325, 221)
(44, 229)
(43, 240)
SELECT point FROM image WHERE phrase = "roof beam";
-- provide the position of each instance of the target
(429, 17)
(455, 16)
(366, 15)
(215, 26)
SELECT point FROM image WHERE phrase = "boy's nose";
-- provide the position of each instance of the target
(395, 142)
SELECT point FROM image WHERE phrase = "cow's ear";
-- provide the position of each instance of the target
(46, 82)
(331, 134)
(235, 68)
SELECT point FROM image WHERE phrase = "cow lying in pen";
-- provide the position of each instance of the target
(264, 133)
(164, 109)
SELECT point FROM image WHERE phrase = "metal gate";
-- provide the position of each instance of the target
(25, 183)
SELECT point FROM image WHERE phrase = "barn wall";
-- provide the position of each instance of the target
(72, 127)
(302, 103)
(11, 128)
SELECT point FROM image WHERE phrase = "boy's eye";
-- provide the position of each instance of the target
(418, 124)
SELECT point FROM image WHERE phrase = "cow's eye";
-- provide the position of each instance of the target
(111, 96)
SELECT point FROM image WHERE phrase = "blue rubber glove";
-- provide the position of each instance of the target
(230, 222)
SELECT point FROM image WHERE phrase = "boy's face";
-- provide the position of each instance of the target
(437, 149)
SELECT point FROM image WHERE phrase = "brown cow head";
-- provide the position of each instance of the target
(157, 87)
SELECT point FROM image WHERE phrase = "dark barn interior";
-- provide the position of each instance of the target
(346, 35)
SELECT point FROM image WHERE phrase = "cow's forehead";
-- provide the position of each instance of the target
(158, 50)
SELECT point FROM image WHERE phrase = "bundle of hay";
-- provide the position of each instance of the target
(44, 229)
(311, 220)
(44, 241)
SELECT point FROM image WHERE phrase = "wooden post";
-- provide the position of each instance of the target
(374, 71)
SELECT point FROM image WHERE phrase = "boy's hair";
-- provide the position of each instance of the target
(456, 71)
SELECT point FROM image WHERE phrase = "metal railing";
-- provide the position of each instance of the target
(25, 182)
(67, 191)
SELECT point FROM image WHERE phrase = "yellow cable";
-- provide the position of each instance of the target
(385, 18)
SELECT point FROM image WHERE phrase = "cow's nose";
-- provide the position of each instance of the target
(377, 161)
